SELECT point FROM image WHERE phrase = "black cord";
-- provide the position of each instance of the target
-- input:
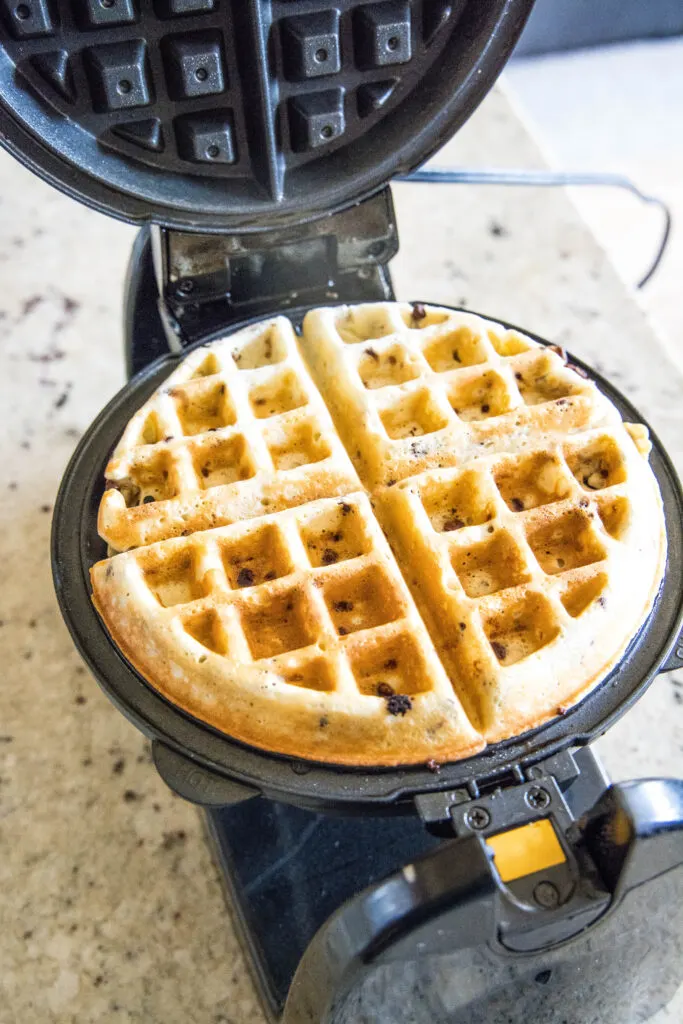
(549, 179)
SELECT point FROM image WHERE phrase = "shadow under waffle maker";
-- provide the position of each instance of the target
(254, 141)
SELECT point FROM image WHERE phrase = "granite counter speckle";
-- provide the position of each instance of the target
(111, 908)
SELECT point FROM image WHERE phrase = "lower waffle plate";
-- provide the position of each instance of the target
(76, 546)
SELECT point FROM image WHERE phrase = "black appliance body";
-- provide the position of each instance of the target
(374, 896)
(255, 139)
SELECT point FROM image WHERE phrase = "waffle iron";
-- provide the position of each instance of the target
(253, 141)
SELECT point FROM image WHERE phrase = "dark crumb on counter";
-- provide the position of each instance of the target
(343, 606)
(156, 807)
(419, 312)
(32, 623)
(86, 762)
(342, 631)
(324, 722)
(118, 766)
(517, 504)
(12, 485)
(63, 398)
(329, 557)
(51, 356)
(29, 305)
(453, 524)
(399, 704)
(678, 697)
(172, 839)
(80, 699)
(73, 928)
(6, 739)
(500, 650)
(70, 305)
(130, 796)
(385, 690)
(26, 445)
(177, 915)
(245, 578)
(345, 509)
(28, 934)
(433, 766)
(79, 670)
(497, 230)
(602, 602)
(373, 355)
(28, 655)
(46, 509)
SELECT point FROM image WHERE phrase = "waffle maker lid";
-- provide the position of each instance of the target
(215, 114)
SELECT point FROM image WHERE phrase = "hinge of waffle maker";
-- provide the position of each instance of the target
(527, 818)
(207, 282)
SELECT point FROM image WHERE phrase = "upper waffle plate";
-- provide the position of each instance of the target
(258, 590)
(226, 113)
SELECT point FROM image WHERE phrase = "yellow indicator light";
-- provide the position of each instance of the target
(522, 851)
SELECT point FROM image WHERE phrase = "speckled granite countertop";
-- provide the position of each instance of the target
(111, 908)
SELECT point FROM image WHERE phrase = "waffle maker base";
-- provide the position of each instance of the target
(226, 770)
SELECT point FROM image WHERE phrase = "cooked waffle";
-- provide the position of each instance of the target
(532, 572)
(413, 392)
(257, 590)
(294, 632)
(238, 430)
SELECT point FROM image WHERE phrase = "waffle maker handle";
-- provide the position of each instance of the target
(447, 941)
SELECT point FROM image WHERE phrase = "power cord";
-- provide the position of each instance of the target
(549, 179)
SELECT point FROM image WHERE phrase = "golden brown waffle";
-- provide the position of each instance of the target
(294, 632)
(258, 591)
(532, 572)
(237, 431)
(410, 392)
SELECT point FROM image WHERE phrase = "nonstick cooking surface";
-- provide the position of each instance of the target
(76, 545)
(204, 113)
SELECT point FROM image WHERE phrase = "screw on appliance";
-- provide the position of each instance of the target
(478, 818)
